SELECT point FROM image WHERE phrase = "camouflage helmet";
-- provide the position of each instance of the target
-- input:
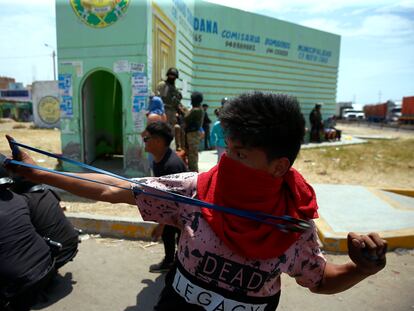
(172, 71)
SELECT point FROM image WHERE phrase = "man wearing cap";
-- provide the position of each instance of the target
(169, 94)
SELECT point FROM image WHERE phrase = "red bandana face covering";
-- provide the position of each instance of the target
(232, 184)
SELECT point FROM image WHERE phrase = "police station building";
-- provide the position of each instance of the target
(112, 54)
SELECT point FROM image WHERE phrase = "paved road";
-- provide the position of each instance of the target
(111, 275)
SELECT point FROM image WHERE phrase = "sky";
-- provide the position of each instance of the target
(377, 41)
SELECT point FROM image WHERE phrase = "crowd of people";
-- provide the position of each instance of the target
(192, 127)
(215, 260)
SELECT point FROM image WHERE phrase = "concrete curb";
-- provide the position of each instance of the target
(337, 241)
(115, 227)
(130, 228)
(406, 192)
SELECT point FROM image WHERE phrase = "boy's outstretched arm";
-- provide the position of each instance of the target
(82, 188)
(367, 253)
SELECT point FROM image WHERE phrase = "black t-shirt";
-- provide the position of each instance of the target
(170, 164)
(49, 220)
(24, 255)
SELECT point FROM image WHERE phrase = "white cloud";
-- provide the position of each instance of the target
(311, 7)
(329, 25)
(28, 3)
(401, 6)
(386, 26)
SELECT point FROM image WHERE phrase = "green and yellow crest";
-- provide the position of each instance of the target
(49, 109)
(99, 13)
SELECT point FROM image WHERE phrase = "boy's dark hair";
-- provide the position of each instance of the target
(196, 99)
(162, 130)
(270, 122)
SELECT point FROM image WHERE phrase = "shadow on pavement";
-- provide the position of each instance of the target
(148, 297)
(60, 287)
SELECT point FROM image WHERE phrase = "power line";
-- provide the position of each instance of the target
(28, 56)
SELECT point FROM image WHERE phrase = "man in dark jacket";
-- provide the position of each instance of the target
(315, 118)
(206, 128)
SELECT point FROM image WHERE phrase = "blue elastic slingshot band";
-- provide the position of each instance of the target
(283, 223)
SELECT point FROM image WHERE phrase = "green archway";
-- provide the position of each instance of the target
(102, 116)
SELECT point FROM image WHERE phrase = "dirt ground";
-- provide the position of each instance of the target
(379, 163)
(120, 267)
(383, 163)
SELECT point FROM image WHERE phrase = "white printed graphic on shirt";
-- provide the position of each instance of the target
(208, 299)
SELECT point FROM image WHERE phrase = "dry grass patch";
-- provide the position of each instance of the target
(379, 163)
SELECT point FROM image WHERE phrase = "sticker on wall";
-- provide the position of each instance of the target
(65, 84)
(121, 66)
(48, 109)
(139, 84)
(99, 13)
(138, 112)
(77, 64)
(136, 67)
(66, 107)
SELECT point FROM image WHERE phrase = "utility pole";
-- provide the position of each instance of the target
(53, 60)
(54, 65)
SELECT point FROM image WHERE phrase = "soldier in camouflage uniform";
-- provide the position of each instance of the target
(170, 95)
(193, 121)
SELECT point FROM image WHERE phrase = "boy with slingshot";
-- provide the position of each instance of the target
(243, 223)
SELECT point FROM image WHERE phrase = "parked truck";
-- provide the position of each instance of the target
(379, 112)
(407, 110)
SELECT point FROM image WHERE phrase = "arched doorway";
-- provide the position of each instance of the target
(102, 116)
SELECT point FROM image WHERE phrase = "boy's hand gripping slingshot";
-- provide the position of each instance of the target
(283, 223)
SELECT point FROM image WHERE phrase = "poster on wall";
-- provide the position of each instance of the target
(121, 66)
(77, 64)
(139, 84)
(136, 67)
(66, 107)
(138, 112)
(65, 94)
(65, 84)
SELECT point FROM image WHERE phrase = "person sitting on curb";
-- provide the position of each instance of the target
(157, 138)
(226, 262)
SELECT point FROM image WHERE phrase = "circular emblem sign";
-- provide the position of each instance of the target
(99, 13)
(49, 110)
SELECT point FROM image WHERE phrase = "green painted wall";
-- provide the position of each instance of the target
(84, 50)
(219, 51)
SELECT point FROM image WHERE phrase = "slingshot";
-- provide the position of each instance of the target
(284, 223)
